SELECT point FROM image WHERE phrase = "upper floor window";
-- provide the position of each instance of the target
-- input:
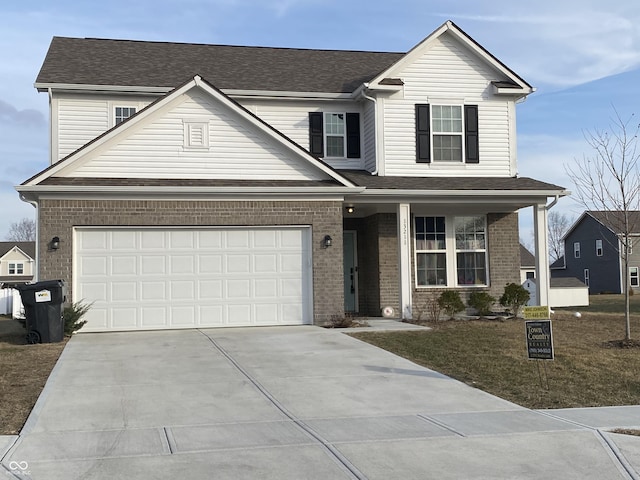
(120, 114)
(598, 248)
(634, 279)
(586, 277)
(16, 268)
(446, 133)
(450, 247)
(334, 135)
(576, 250)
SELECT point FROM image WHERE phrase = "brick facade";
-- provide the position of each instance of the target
(58, 217)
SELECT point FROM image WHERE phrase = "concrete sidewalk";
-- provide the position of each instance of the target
(292, 402)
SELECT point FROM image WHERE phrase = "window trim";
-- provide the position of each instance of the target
(576, 249)
(633, 276)
(460, 134)
(451, 253)
(424, 133)
(326, 134)
(113, 105)
(599, 249)
(15, 266)
(586, 276)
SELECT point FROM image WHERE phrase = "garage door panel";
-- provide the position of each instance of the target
(153, 265)
(152, 278)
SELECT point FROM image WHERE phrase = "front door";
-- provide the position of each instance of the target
(350, 271)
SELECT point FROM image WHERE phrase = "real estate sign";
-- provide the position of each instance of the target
(539, 339)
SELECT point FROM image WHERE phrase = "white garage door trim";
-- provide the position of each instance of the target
(149, 278)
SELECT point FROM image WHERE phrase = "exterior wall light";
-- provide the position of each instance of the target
(327, 241)
(351, 209)
(55, 243)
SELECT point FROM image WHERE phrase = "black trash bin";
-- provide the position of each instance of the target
(42, 303)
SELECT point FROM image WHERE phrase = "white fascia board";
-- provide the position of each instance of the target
(268, 94)
(451, 197)
(206, 193)
(69, 87)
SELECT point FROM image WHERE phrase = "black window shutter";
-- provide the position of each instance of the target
(471, 134)
(423, 135)
(353, 135)
(316, 134)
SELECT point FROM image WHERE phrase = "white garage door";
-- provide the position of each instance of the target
(147, 278)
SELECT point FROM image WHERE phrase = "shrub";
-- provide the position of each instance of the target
(72, 316)
(514, 298)
(482, 302)
(451, 302)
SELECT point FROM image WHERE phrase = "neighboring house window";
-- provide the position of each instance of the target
(446, 133)
(576, 250)
(634, 280)
(334, 135)
(16, 268)
(122, 113)
(599, 248)
(531, 275)
(450, 247)
(586, 277)
(630, 247)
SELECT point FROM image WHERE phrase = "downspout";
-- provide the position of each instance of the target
(367, 97)
(552, 204)
(36, 273)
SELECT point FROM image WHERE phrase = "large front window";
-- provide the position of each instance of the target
(450, 251)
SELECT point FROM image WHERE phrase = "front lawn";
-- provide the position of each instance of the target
(25, 369)
(492, 356)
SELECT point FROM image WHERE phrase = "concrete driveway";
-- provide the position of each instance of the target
(289, 403)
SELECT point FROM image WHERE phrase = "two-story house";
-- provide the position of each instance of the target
(593, 252)
(17, 262)
(209, 185)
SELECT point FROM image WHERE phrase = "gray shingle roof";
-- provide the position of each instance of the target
(614, 220)
(27, 247)
(565, 282)
(365, 179)
(92, 61)
(526, 257)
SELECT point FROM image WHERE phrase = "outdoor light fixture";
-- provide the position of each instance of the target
(327, 241)
(55, 243)
(351, 209)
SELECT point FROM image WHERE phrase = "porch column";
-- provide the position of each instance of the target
(404, 258)
(542, 254)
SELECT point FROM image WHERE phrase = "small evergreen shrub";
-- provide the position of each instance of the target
(72, 317)
(514, 298)
(481, 302)
(451, 302)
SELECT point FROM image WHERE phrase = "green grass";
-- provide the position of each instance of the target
(491, 355)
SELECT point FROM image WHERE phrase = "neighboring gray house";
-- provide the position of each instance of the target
(527, 264)
(592, 253)
(207, 185)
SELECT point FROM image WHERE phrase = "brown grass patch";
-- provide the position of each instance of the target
(491, 355)
(25, 369)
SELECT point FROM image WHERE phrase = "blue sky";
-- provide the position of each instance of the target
(583, 56)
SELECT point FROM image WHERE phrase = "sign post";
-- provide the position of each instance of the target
(539, 336)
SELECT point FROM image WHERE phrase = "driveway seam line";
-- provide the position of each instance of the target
(341, 459)
(617, 454)
(441, 425)
(171, 442)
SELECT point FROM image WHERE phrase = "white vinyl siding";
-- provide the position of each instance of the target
(81, 118)
(466, 81)
(291, 118)
(155, 148)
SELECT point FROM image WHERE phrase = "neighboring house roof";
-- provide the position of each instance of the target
(527, 260)
(28, 248)
(559, 263)
(611, 220)
(92, 61)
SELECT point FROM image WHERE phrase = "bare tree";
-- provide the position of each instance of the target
(610, 182)
(22, 231)
(559, 223)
